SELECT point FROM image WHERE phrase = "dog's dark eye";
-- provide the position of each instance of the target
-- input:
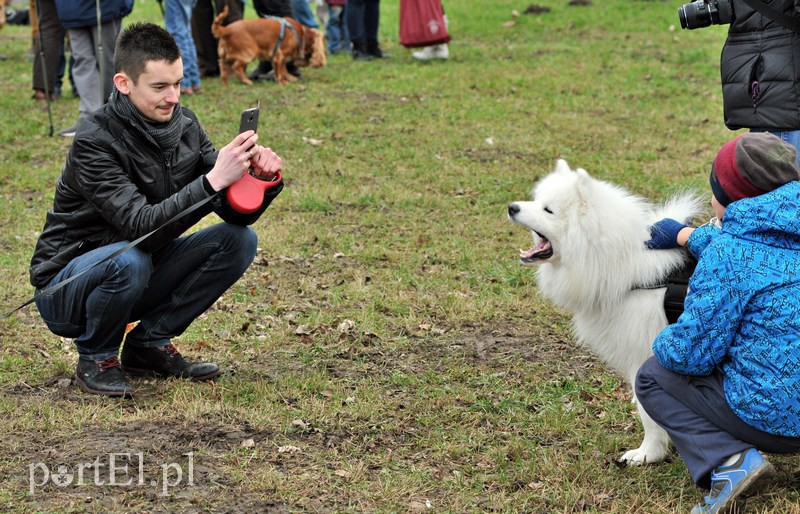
(547, 210)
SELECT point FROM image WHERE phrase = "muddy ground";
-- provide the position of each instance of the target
(62, 473)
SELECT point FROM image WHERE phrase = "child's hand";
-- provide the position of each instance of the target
(664, 235)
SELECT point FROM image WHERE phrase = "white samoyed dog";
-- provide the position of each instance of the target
(589, 247)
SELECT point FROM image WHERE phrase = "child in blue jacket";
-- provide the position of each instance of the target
(725, 378)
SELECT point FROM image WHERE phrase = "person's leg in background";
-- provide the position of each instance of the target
(792, 137)
(302, 12)
(322, 11)
(266, 9)
(85, 73)
(205, 43)
(336, 30)
(52, 34)
(110, 32)
(441, 51)
(372, 18)
(354, 13)
(90, 53)
(177, 21)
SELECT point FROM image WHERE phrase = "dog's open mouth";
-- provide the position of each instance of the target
(542, 251)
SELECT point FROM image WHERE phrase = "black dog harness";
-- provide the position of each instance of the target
(676, 287)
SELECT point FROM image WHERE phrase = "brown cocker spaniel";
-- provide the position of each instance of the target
(272, 39)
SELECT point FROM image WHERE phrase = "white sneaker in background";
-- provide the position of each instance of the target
(69, 131)
(432, 52)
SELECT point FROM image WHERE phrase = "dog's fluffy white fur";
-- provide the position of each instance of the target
(589, 247)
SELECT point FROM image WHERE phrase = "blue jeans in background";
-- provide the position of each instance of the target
(303, 13)
(166, 290)
(336, 30)
(792, 137)
(178, 22)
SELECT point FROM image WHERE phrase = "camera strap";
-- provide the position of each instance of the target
(789, 22)
(123, 249)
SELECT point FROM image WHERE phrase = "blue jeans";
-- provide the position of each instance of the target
(166, 290)
(792, 137)
(336, 30)
(178, 22)
(363, 17)
(302, 13)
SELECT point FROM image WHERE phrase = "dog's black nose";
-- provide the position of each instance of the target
(513, 209)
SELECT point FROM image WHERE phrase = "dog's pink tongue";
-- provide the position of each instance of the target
(543, 246)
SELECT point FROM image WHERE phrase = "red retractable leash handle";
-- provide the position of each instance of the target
(247, 194)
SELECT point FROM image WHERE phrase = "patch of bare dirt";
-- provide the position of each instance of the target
(536, 9)
(164, 466)
(556, 353)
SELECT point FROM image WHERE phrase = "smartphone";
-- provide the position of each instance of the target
(249, 120)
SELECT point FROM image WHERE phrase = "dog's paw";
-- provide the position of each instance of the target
(641, 456)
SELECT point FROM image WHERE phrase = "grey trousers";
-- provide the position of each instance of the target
(91, 53)
(698, 419)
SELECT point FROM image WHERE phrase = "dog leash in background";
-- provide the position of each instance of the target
(53, 289)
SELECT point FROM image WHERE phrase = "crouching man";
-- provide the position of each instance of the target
(134, 166)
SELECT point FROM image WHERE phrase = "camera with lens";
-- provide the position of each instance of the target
(703, 13)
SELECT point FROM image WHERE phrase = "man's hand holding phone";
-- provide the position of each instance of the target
(243, 155)
(233, 160)
(264, 163)
(259, 168)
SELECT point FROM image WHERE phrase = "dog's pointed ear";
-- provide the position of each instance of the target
(584, 183)
(562, 166)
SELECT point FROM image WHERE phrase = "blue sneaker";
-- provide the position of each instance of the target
(729, 484)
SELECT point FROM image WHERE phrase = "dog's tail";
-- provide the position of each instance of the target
(217, 28)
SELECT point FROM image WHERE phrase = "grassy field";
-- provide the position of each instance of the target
(386, 352)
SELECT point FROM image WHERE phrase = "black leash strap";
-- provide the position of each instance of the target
(775, 15)
(53, 289)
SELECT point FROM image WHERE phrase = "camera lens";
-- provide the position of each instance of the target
(682, 16)
(694, 15)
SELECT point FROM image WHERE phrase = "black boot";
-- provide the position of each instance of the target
(103, 377)
(292, 68)
(261, 71)
(375, 51)
(165, 361)
(360, 51)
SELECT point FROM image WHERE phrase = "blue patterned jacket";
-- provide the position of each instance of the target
(742, 314)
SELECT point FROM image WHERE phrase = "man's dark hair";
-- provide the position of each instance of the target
(140, 43)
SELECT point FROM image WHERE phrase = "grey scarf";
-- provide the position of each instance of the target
(166, 135)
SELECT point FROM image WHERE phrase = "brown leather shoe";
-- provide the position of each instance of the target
(165, 361)
(40, 96)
